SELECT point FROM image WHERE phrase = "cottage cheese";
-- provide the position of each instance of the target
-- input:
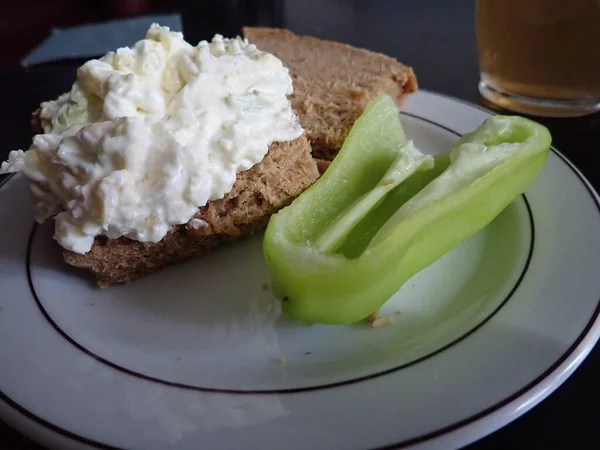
(149, 134)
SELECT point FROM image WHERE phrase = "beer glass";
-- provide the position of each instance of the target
(540, 57)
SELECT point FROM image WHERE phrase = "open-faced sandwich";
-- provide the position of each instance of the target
(165, 150)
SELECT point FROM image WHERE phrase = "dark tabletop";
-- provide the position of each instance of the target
(435, 37)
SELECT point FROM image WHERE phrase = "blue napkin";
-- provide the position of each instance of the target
(94, 40)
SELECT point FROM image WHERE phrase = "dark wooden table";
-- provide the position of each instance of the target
(437, 38)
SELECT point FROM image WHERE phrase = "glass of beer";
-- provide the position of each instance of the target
(540, 57)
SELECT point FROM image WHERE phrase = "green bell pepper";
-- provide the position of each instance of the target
(383, 211)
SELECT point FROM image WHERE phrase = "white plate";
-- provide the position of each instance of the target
(197, 356)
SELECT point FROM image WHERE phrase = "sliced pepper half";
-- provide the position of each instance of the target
(383, 211)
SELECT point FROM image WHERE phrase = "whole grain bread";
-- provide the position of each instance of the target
(286, 171)
(333, 82)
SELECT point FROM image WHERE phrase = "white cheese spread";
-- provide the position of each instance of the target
(149, 134)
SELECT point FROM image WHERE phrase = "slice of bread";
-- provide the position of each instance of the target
(286, 171)
(333, 82)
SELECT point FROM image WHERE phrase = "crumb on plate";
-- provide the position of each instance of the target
(378, 320)
(372, 317)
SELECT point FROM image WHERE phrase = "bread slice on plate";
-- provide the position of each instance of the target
(333, 82)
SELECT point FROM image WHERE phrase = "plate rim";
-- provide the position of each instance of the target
(505, 411)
